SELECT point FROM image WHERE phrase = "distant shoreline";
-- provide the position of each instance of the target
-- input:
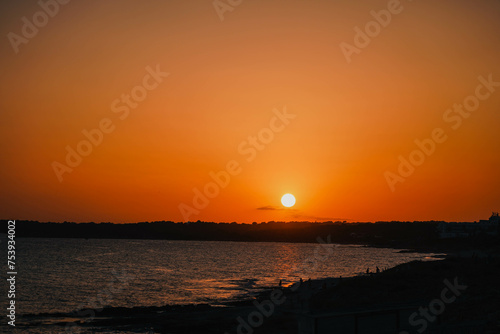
(422, 237)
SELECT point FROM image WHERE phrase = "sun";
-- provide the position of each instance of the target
(288, 200)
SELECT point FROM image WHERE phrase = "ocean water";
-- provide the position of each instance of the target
(62, 275)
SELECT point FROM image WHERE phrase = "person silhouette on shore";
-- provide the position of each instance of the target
(378, 270)
(368, 271)
(280, 284)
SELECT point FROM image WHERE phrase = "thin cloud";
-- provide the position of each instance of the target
(269, 207)
(317, 218)
(295, 214)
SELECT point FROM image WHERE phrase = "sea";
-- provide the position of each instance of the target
(64, 275)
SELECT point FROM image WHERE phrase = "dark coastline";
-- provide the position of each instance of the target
(405, 236)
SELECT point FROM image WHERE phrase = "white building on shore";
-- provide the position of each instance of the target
(464, 230)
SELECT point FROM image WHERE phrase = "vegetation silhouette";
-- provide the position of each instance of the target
(414, 235)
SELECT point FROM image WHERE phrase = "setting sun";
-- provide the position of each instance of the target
(288, 200)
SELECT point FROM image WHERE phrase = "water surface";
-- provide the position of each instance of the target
(61, 275)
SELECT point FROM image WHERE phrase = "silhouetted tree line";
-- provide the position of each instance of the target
(268, 231)
(413, 235)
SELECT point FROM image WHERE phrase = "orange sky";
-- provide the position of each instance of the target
(352, 120)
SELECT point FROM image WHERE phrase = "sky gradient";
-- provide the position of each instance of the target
(227, 80)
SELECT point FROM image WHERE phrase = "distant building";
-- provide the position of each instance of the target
(464, 230)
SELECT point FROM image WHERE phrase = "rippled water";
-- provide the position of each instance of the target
(61, 275)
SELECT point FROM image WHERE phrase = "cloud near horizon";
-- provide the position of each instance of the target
(270, 207)
(297, 215)
(317, 218)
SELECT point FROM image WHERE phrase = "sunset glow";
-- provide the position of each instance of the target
(162, 111)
